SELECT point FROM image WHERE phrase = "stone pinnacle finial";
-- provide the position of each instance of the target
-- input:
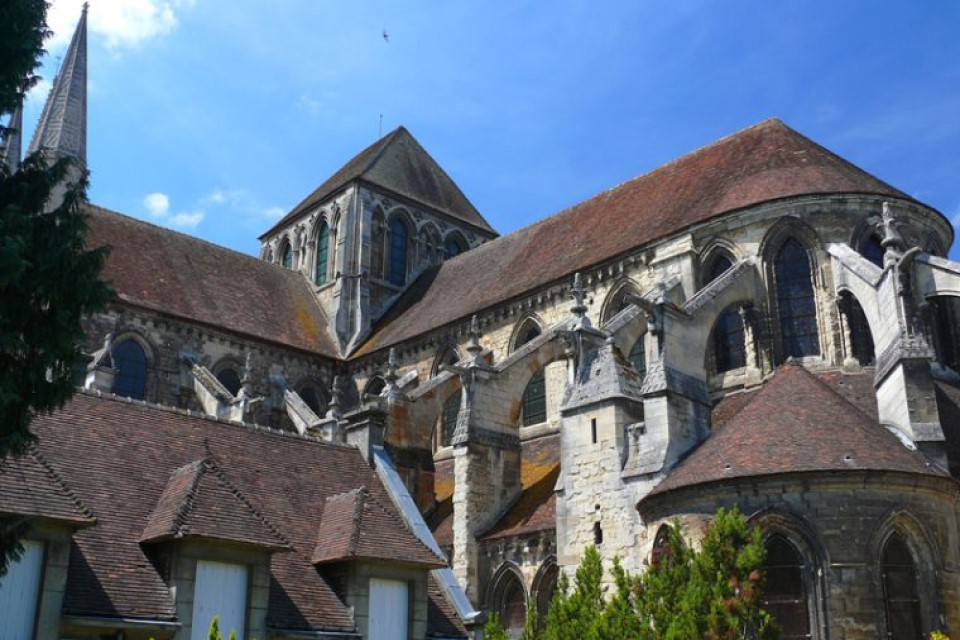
(579, 309)
(333, 409)
(392, 365)
(474, 348)
(892, 240)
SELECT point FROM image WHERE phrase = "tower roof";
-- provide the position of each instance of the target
(12, 146)
(397, 164)
(63, 123)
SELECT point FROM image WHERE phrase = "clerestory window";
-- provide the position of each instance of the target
(796, 302)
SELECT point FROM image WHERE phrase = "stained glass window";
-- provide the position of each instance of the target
(398, 252)
(286, 256)
(451, 409)
(900, 591)
(796, 303)
(323, 250)
(872, 250)
(728, 342)
(535, 400)
(131, 363)
(785, 596)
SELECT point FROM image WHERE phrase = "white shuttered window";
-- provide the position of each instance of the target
(220, 590)
(388, 609)
(19, 592)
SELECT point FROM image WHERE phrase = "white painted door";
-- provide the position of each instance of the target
(220, 590)
(388, 609)
(19, 592)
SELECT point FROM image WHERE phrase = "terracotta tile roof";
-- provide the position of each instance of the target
(398, 164)
(795, 423)
(120, 459)
(30, 486)
(356, 526)
(442, 620)
(769, 161)
(199, 501)
(535, 509)
(182, 276)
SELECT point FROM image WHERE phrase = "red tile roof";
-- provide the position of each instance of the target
(120, 459)
(200, 502)
(182, 276)
(396, 164)
(766, 162)
(30, 486)
(794, 423)
(356, 526)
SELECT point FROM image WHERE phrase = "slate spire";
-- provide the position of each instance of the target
(12, 145)
(63, 124)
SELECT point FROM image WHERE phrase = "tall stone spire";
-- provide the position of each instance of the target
(12, 145)
(63, 124)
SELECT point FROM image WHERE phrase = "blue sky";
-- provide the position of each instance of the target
(215, 117)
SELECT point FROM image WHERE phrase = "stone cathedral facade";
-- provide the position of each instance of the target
(758, 323)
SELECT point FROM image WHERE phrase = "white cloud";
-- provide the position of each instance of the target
(242, 201)
(124, 24)
(157, 204)
(38, 94)
(308, 104)
(187, 220)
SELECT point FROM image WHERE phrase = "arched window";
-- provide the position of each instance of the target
(796, 302)
(230, 379)
(311, 398)
(528, 331)
(871, 249)
(446, 357)
(945, 318)
(717, 268)
(398, 252)
(452, 247)
(729, 349)
(638, 357)
(375, 386)
(511, 604)
(546, 587)
(286, 256)
(900, 590)
(323, 251)
(448, 418)
(861, 340)
(534, 404)
(785, 597)
(130, 361)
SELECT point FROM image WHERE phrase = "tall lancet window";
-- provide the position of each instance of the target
(323, 252)
(286, 256)
(130, 361)
(785, 597)
(729, 348)
(398, 252)
(796, 302)
(900, 590)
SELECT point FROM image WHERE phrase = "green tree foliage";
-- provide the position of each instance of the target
(214, 631)
(23, 28)
(48, 280)
(493, 630)
(713, 592)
